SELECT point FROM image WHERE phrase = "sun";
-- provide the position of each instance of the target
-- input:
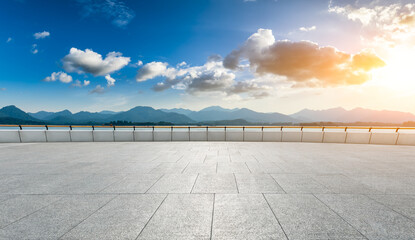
(399, 72)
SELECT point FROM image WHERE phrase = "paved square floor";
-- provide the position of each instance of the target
(206, 190)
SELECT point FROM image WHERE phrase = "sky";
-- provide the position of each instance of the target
(266, 55)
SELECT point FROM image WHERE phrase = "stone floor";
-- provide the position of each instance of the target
(206, 190)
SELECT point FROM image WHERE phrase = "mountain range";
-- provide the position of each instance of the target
(211, 115)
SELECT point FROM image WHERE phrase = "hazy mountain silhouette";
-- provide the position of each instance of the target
(149, 114)
(354, 115)
(211, 115)
(14, 112)
(216, 113)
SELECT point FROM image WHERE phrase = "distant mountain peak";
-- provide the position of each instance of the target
(216, 108)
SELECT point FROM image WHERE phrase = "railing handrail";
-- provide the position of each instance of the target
(323, 128)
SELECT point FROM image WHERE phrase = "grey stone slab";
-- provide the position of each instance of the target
(4, 197)
(232, 167)
(133, 183)
(169, 168)
(201, 168)
(215, 183)
(302, 216)
(264, 167)
(44, 183)
(122, 218)
(257, 183)
(387, 184)
(91, 184)
(174, 183)
(181, 216)
(299, 183)
(166, 157)
(56, 219)
(244, 216)
(403, 204)
(10, 182)
(217, 158)
(342, 184)
(13, 209)
(371, 218)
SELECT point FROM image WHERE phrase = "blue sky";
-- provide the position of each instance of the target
(36, 38)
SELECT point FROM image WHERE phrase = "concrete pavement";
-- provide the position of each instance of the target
(206, 190)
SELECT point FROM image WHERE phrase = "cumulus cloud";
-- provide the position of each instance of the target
(89, 61)
(34, 49)
(98, 90)
(305, 63)
(61, 76)
(110, 80)
(210, 77)
(41, 35)
(182, 64)
(393, 24)
(80, 84)
(116, 11)
(253, 47)
(252, 87)
(307, 29)
(151, 70)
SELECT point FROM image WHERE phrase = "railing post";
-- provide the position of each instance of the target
(225, 133)
(370, 136)
(397, 137)
(345, 139)
(301, 134)
(243, 134)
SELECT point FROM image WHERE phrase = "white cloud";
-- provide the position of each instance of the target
(151, 70)
(2, 89)
(61, 76)
(41, 35)
(98, 90)
(79, 84)
(211, 77)
(304, 63)
(89, 61)
(9, 40)
(182, 64)
(137, 64)
(252, 47)
(307, 29)
(392, 24)
(34, 49)
(117, 11)
(110, 80)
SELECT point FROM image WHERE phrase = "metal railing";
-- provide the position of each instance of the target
(98, 133)
(301, 128)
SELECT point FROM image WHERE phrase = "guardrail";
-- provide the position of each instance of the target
(322, 134)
